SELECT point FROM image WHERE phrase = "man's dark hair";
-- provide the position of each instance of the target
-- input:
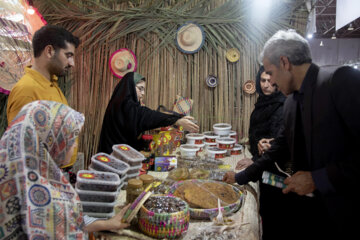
(52, 35)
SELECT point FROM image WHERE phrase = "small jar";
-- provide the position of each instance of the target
(147, 139)
(146, 179)
(134, 189)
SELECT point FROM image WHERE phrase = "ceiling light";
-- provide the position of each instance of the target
(309, 36)
(350, 28)
(333, 36)
(355, 67)
(321, 44)
(30, 10)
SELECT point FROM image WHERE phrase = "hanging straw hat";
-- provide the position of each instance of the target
(190, 37)
(211, 81)
(232, 55)
(122, 61)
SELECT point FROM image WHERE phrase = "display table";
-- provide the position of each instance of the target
(247, 220)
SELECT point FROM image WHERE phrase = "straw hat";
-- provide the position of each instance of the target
(190, 37)
(232, 55)
(211, 81)
(122, 61)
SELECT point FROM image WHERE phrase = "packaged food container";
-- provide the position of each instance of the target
(210, 144)
(233, 135)
(226, 143)
(195, 138)
(134, 169)
(98, 207)
(105, 162)
(100, 215)
(96, 196)
(97, 181)
(146, 179)
(237, 150)
(133, 175)
(201, 146)
(210, 137)
(127, 154)
(134, 189)
(216, 153)
(222, 128)
(189, 151)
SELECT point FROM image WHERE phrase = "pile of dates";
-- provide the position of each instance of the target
(165, 204)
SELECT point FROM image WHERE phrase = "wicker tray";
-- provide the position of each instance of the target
(198, 213)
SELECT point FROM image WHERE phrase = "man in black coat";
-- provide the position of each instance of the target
(320, 137)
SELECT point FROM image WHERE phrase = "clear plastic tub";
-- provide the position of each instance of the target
(127, 154)
(105, 162)
(134, 169)
(134, 175)
(98, 207)
(189, 151)
(96, 196)
(226, 143)
(222, 128)
(210, 137)
(195, 138)
(97, 181)
(100, 215)
(215, 153)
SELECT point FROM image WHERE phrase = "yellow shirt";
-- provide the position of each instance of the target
(31, 87)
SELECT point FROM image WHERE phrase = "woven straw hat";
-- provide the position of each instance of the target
(249, 87)
(122, 61)
(190, 37)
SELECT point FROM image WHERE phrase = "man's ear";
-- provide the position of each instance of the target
(285, 63)
(49, 51)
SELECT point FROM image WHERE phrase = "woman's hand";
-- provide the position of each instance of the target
(229, 177)
(244, 163)
(264, 145)
(188, 124)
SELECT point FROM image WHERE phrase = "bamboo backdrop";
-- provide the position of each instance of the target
(168, 72)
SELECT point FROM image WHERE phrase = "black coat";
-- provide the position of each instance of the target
(125, 119)
(265, 120)
(324, 141)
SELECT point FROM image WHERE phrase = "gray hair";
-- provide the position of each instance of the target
(289, 44)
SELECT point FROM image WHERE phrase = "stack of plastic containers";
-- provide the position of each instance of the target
(97, 192)
(130, 156)
(107, 163)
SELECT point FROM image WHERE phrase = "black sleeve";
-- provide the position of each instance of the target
(276, 122)
(278, 152)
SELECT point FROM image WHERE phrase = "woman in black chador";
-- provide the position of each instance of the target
(125, 119)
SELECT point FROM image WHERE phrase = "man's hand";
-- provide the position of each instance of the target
(264, 145)
(229, 177)
(301, 183)
(188, 124)
(243, 163)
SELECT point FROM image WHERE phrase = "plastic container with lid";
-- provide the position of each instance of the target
(233, 135)
(96, 196)
(210, 137)
(98, 207)
(201, 146)
(97, 181)
(222, 128)
(195, 138)
(215, 153)
(210, 144)
(127, 154)
(189, 151)
(226, 143)
(146, 179)
(237, 150)
(105, 162)
(134, 189)
(134, 169)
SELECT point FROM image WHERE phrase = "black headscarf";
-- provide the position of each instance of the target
(125, 119)
(266, 119)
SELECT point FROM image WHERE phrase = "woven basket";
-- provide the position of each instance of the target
(164, 225)
(198, 213)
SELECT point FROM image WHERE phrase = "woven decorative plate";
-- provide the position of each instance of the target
(249, 87)
(211, 81)
(198, 213)
(232, 55)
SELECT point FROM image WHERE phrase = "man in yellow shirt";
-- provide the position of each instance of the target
(54, 49)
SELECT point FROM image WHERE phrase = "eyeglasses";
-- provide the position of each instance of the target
(141, 88)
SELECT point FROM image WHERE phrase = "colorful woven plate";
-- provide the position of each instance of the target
(211, 81)
(197, 213)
